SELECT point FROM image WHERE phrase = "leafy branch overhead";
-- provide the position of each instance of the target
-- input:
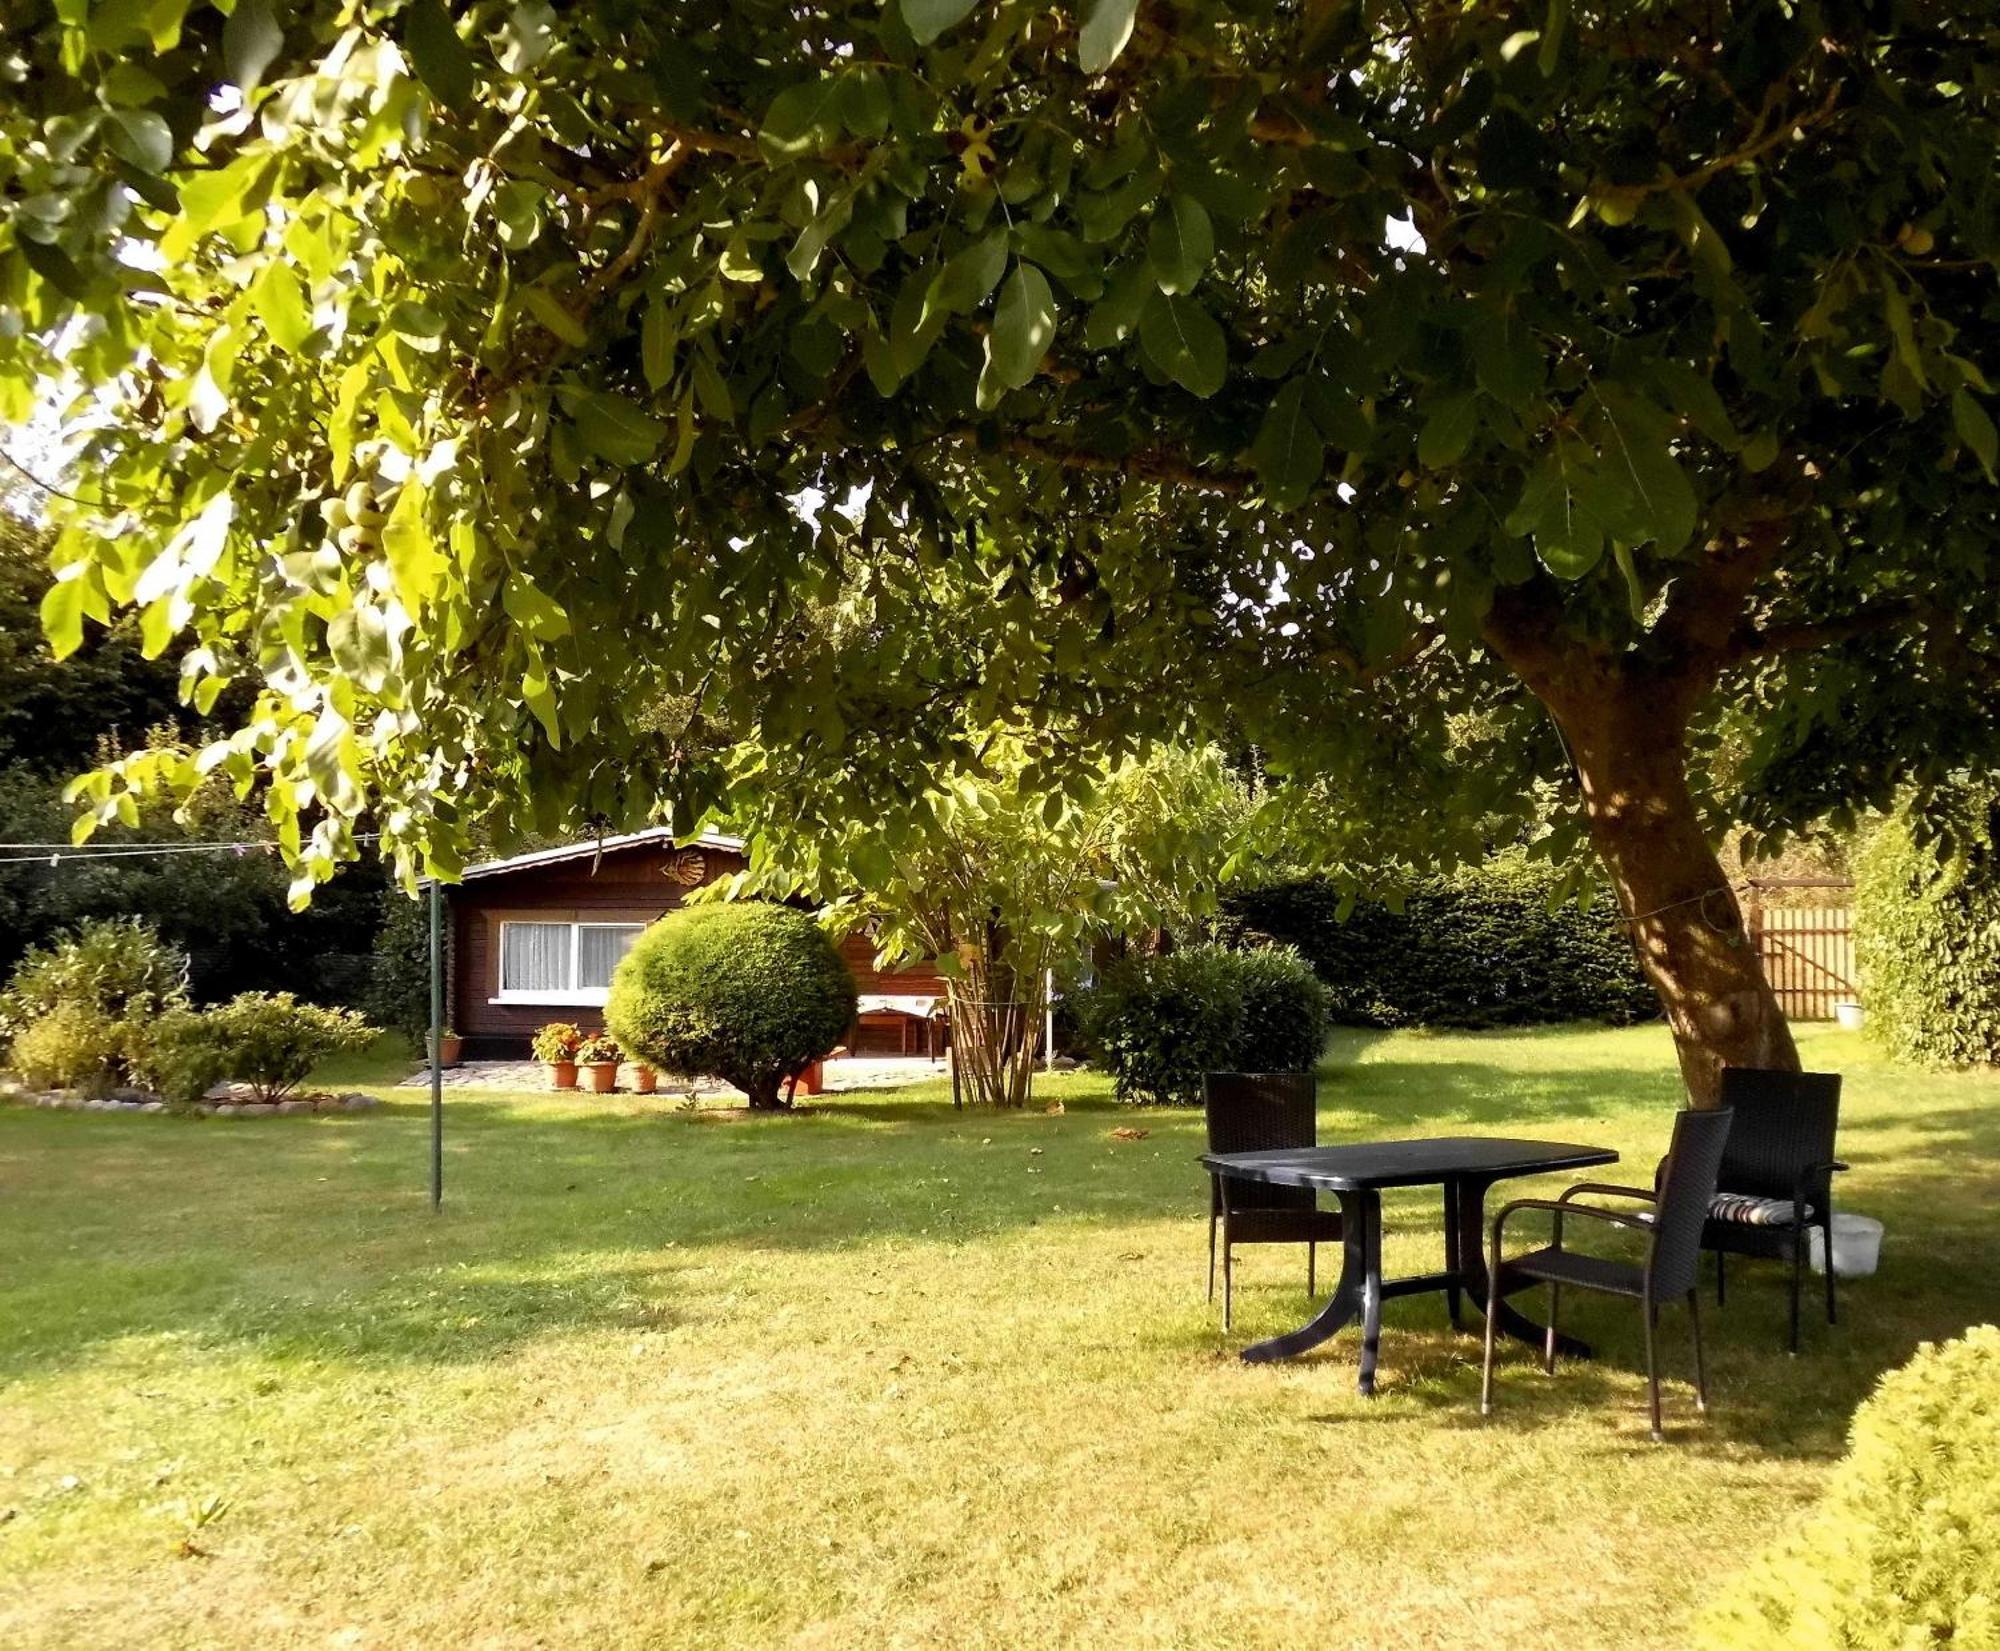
(454, 374)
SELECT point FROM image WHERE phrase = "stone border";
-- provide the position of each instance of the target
(226, 1106)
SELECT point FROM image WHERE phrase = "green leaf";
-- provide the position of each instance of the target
(1024, 325)
(1563, 506)
(1183, 341)
(251, 40)
(803, 119)
(1107, 25)
(278, 297)
(548, 309)
(412, 553)
(615, 428)
(438, 55)
(967, 277)
(539, 696)
(1658, 499)
(1180, 244)
(62, 617)
(1975, 428)
(656, 343)
(1552, 37)
(532, 608)
(143, 138)
(1693, 395)
(927, 19)
(1115, 316)
(1288, 453)
(1448, 431)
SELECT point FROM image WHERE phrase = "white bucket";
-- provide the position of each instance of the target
(1857, 1246)
(1850, 1015)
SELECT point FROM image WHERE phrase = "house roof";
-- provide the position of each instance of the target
(592, 847)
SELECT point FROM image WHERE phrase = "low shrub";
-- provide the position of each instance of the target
(1905, 1548)
(117, 967)
(1927, 942)
(179, 1056)
(271, 1041)
(1482, 947)
(1160, 1022)
(72, 1046)
(747, 992)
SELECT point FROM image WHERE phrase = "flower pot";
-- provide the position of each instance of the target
(562, 1074)
(644, 1079)
(1851, 1016)
(450, 1050)
(603, 1076)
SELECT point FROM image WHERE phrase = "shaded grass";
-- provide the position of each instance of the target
(881, 1373)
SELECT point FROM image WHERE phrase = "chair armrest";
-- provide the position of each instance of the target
(1812, 1176)
(1609, 1189)
(1618, 1218)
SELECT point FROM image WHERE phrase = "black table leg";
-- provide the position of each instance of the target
(1452, 1261)
(1472, 1269)
(1357, 1295)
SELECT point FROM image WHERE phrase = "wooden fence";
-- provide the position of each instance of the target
(1807, 950)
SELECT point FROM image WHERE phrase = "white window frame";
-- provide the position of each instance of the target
(571, 996)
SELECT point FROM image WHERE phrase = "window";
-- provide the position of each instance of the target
(561, 962)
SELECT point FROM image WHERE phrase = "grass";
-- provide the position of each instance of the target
(879, 1374)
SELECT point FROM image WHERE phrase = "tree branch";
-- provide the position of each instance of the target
(1765, 642)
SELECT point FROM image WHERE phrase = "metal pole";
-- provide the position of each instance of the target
(437, 1048)
(1048, 1020)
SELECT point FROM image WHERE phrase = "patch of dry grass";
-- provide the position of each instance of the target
(878, 1375)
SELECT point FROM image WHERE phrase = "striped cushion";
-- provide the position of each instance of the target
(1752, 1212)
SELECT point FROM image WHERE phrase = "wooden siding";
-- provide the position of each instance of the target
(628, 885)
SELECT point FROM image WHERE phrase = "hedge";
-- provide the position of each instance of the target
(1904, 1550)
(1927, 939)
(1160, 1022)
(1481, 947)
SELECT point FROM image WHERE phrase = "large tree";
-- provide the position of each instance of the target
(456, 374)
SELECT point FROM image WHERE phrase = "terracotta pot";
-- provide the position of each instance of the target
(603, 1076)
(450, 1051)
(644, 1079)
(562, 1074)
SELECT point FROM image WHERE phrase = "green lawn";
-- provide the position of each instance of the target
(879, 1375)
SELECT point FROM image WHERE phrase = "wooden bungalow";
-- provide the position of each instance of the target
(534, 938)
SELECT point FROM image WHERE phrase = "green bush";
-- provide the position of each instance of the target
(179, 1056)
(117, 967)
(73, 1046)
(1927, 937)
(1160, 1022)
(271, 1041)
(399, 984)
(1481, 947)
(1904, 1551)
(747, 992)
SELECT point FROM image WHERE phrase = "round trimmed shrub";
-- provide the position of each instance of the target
(1161, 1022)
(271, 1041)
(747, 992)
(118, 967)
(1905, 1549)
(1927, 938)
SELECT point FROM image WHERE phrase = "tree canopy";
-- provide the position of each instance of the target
(1323, 374)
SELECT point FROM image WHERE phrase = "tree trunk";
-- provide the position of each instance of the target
(765, 1092)
(1626, 734)
(994, 1021)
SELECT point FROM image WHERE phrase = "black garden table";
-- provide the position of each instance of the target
(1465, 1166)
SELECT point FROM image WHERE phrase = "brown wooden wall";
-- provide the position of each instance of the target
(630, 885)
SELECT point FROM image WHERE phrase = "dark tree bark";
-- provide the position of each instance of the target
(1624, 717)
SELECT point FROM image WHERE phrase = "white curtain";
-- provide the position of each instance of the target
(599, 946)
(534, 957)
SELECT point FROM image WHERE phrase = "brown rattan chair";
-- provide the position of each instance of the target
(1262, 1112)
(1673, 1251)
(1777, 1175)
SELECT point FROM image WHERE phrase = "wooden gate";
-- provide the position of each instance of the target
(1807, 950)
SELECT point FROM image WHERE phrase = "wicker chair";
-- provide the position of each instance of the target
(1261, 1112)
(1777, 1176)
(1673, 1251)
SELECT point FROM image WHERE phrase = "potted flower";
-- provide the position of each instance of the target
(599, 1058)
(450, 1047)
(644, 1079)
(556, 1046)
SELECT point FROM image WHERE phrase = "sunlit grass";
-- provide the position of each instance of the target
(881, 1374)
